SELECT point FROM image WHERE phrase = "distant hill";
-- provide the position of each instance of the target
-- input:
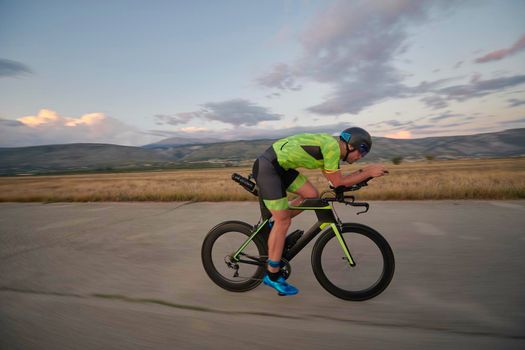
(162, 155)
(230, 151)
(180, 141)
(499, 144)
(77, 157)
(508, 143)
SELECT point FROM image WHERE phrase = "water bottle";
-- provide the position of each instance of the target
(292, 238)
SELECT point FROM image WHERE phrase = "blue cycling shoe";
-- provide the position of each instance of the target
(280, 286)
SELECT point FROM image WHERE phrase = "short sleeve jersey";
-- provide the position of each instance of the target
(311, 151)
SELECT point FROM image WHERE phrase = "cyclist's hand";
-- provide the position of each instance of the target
(375, 170)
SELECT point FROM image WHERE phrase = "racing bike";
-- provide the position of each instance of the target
(352, 261)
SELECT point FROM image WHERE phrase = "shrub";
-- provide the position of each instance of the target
(397, 160)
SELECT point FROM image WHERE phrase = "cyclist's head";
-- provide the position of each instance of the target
(356, 139)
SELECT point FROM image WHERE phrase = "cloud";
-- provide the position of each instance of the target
(403, 134)
(444, 117)
(10, 68)
(50, 118)
(237, 112)
(254, 133)
(429, 125)
(371, 85)
(514, 102)
(435, 102)
(281, 77)
(520, 122)
(392, 123)
(273, 95)
(7, 123)
(351, 46)
(175, 119)
(394, 126)
(48, 127)
(194, 129)
(502, 53)
(439, 95)
(479, 88)
(292, 130)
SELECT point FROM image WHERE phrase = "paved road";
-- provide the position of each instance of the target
(129, 276)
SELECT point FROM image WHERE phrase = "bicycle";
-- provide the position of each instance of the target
(350, 260)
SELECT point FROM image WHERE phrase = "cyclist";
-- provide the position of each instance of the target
(275, 173)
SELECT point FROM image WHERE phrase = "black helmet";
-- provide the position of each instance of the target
(358, 138)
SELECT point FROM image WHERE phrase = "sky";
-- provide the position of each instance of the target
(135, 72)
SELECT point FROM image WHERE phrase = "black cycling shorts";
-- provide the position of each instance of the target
(273, 180)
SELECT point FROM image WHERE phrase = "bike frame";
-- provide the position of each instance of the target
(325, 218)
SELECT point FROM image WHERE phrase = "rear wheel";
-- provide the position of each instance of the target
(373, 257)
(219, 246)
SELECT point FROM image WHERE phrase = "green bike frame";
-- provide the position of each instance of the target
(325, 219)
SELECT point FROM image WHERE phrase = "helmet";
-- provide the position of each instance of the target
(358, 138)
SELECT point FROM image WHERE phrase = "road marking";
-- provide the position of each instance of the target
(427, 229)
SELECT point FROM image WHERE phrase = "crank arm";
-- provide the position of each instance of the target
(253, 260)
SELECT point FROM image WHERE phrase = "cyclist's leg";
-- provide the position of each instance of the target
(304, 189)
(271, 186)
(282, 221)
(272, 191)
(276, 241)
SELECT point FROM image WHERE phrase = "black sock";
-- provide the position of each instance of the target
(274, 275)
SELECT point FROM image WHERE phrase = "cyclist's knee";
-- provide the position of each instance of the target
(282, 217)
(308, 191)
(309, 194)
(312, 193)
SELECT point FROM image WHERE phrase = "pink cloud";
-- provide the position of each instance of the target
(50, 127)
(502, 53)
(403, 134)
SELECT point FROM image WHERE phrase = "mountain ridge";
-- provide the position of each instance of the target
(109, 157)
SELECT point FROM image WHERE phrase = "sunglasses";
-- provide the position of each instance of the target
(363, 149)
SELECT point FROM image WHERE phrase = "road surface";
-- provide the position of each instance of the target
(129, 276)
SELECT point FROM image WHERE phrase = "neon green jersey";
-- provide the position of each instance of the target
(311, 151)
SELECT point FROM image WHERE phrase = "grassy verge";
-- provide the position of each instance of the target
(453, 179)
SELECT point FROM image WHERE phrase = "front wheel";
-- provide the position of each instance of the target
(218, 250)
(371, 253)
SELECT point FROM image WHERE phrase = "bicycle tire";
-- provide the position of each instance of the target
(219, 272)
(373, 244)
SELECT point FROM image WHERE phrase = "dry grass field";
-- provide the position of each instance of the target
(452, 179)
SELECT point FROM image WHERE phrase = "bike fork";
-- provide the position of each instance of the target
(341, 240)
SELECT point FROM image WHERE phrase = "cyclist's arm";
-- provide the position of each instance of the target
(337, 179)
